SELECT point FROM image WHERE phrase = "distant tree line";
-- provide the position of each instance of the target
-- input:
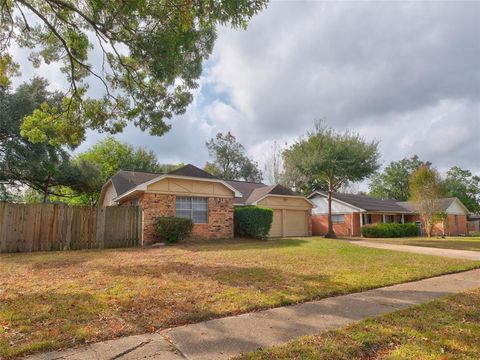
(394, 182)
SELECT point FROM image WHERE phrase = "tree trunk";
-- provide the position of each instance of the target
(330, 233)
(428, 228)
(45, 192)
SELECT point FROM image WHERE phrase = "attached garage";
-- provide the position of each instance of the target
(291, 215)
(291, 211)
(296, 223)
(277, 224)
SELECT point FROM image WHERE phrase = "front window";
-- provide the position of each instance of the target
(195, 208)
(338, 219)
(389, 219)
(367, 219)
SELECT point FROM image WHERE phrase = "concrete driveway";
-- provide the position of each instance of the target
(450, 253)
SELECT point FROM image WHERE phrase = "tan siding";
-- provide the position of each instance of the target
(296, 223)
(277, 224)
(190, 187)
(290, 216)
(285, 202)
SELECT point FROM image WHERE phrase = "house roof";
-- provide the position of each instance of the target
(192, 171)
(125, 180)
(443, 204)
(253, 192)
(367, 203)
(246, 188)
(246, 192)
(258, 194)
(473, 217)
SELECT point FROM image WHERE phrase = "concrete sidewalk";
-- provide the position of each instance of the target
(227, 337)
(450, 253)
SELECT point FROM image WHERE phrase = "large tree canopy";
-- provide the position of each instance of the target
(464, 185)
(230, 161)
(151, 53)
(324, 156)
(38, 166)
(393, 181)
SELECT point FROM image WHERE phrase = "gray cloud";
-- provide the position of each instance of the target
(365, 66)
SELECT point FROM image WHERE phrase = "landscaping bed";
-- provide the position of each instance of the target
(60, 299)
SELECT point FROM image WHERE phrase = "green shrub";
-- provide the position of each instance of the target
(171, 229)
(253, 221)
(390, 230)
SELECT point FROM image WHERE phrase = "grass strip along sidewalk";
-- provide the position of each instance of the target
(454, 243)
(447, 328)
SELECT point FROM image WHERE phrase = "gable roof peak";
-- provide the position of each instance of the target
(190, 170)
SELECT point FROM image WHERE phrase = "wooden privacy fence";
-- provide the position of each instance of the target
(47, 227)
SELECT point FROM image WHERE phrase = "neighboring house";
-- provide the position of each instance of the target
(473, 223)
(209, 201)
(350, 212)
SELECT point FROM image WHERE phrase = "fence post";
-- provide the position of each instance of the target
(100, 230)
(140, 225)
(68, 236)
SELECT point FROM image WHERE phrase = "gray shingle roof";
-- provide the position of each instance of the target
(443, 204)
(192, 171)
(125, 180)
(473, 217)
(390, 205)
(254, 191)
(258, 193)
(244, 187)
(369, 203)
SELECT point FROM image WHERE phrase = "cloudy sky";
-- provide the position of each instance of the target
(406, 74)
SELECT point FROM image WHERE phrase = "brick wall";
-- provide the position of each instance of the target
(460, 228)
(220, 220)
(310, 223)
(350, 226)
(450, 230)
(220, 216)
(155, 205)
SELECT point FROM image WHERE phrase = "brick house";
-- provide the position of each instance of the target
(350, 212)
(209, 201)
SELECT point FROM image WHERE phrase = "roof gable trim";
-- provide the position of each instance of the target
(335, 199)
(143, 186)
(289, 196)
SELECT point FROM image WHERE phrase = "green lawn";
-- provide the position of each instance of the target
(457, 242)
(443, 329)
(59, 299)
